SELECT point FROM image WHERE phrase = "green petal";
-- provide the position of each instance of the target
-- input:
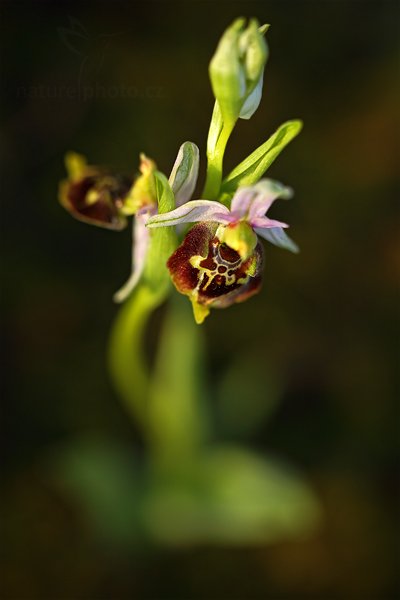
(184, 173)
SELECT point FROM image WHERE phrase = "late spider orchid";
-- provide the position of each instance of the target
(211, 250)
(220, 260)
(97, 196)
(142, 203)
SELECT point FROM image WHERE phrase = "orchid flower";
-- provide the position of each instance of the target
(220, 260)
(93, 194)
(142, 203)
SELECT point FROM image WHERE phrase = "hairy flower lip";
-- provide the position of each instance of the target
(96, 198)
(211, 273)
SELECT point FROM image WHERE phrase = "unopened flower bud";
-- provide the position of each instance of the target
(236, 70)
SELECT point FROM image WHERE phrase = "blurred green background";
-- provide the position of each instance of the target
(304, 372)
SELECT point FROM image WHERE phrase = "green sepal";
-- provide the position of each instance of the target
(250, 170)
(143, 191)
(163, 240)
(76, 164)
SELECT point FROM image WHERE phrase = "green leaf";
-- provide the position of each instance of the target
(250, 170)
(101, 476)
(232, 496)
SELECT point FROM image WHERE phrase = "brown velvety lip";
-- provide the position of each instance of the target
(221, 278)
(105, 212)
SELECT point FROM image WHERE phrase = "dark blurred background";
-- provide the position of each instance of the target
(324, 327)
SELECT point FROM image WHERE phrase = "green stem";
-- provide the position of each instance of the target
(215, 154)
(126, 359)
(177, 407)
